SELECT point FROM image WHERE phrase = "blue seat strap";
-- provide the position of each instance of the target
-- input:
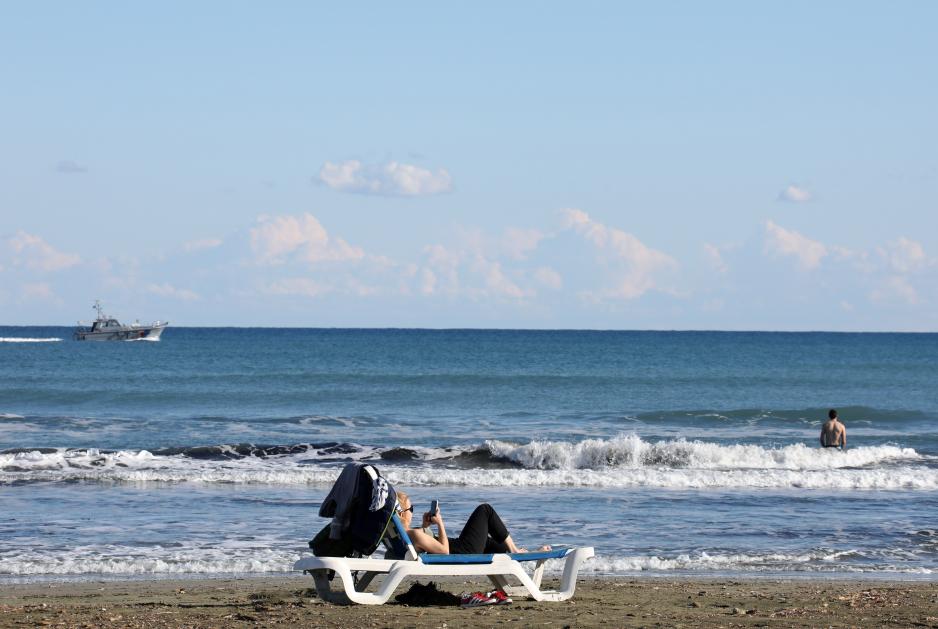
(555, 553)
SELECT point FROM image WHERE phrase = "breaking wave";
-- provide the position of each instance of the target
(631, 451)
(624, 461)
(133, 561)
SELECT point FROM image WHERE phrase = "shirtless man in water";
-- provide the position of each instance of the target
(833, 433)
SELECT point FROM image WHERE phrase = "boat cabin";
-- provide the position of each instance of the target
(103, 325)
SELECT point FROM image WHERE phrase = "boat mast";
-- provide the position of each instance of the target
(99, 309)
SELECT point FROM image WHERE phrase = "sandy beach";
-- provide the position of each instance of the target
(611, 602)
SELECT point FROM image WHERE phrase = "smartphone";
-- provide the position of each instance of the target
(434, 507)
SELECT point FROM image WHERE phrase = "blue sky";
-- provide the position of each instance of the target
(531, 165)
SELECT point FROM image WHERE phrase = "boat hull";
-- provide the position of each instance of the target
(128, 333)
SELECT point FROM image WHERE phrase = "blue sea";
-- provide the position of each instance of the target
(672, 453)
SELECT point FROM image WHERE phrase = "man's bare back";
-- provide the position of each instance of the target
(833, 433)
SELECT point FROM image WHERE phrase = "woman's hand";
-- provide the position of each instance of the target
(432, 518)
(429, 543)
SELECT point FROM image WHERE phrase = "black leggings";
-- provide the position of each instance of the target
(484, 533)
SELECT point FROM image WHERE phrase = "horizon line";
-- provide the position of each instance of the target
(508, 329)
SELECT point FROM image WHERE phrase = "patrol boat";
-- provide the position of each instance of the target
(107, 328)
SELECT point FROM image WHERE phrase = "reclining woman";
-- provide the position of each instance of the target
(484, 532)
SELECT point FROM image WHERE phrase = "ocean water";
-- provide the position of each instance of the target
(208, 452)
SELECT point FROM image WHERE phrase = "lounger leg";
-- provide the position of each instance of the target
(538, 573)
(321, 579)
(362, 584)
(500, 582)
(353, 591)
(513, 590)
(570, 569)
(391, 581)
(567, 580)
(348, 582)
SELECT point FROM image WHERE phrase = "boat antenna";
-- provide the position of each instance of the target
(99, 309)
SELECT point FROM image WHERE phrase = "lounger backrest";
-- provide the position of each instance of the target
(399, 540)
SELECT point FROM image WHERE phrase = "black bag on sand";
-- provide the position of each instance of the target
(424, 595)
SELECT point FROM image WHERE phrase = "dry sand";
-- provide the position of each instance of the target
(619, 602)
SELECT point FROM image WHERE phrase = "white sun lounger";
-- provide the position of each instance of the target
(498, 567)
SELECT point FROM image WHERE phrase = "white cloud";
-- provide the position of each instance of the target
(168, 290)
(621, 244)
(469, 272)
(35, 253)
(794, 194)
(904, 255)
(441, 256)
(845, 253)
(427, 282)
(390, 179)
(441, 273)
(517, 243)
(302, 286)
(715, 257)
(548, 277)
(895, 287)
(572, 217)
(497, 282)
(781, 241)
(642, 263)
(303, 238)
(39, 291)
(203, 243)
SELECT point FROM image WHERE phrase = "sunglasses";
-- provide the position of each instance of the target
(403, 511)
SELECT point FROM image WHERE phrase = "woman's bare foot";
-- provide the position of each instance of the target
(513, 548)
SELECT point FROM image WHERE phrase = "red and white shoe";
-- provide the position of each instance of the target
(476, 599)
(499, 596)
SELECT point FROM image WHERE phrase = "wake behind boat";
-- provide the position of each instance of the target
(106, 328)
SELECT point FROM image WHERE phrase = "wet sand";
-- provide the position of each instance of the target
(611, 602)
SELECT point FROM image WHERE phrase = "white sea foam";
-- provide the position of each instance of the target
(911, 478)
(315, 420)
(23, 339)
(303, 469)
(808, 562)
(632, 452)
(115, 560)
(11, 416)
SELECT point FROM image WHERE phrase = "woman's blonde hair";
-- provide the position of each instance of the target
(402, 498)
